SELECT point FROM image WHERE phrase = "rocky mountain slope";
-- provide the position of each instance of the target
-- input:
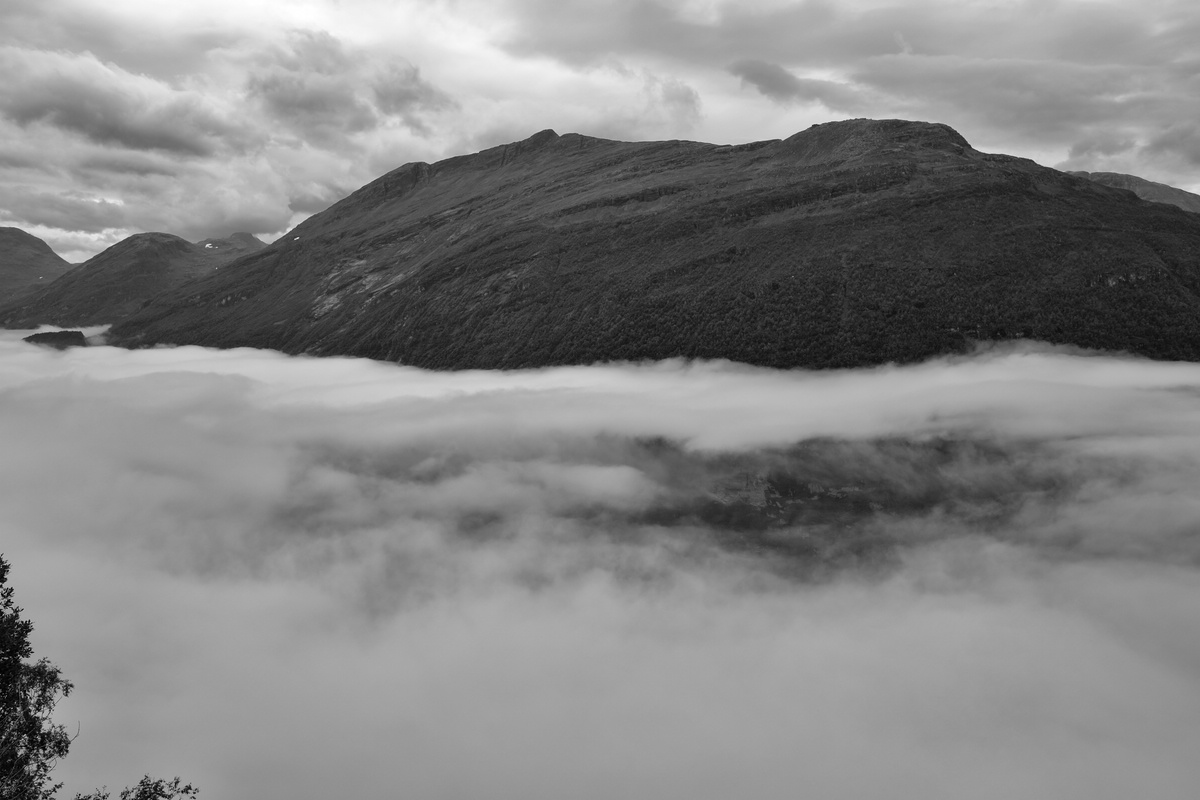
(118, 281)
(26, 263)
(1147, 190)
(850, 243)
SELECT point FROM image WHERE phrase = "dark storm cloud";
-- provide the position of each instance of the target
(117, 33)
(400, 91)
(129, 163)
(1037, 98)
(820, 33)
(108, 105)
(66, 211)
(680, 101)
(324, 90)
(19, 160)
(580, 32)
(318, 107)
(1180, 141)
(777, 83)
(312, 203)
(1105, 143)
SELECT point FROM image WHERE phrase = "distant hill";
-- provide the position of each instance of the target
(26, 263)
(850, 243)
(118, 281)
(1147, 190)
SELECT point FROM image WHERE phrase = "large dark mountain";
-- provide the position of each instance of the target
(26, 264)
(1147, 190)
(850, 243)
(118, 281)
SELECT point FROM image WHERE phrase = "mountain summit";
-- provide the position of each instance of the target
(850, 243)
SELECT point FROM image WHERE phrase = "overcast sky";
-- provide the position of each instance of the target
(205, 118)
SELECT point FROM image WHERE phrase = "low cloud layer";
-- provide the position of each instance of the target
(200, 119)
(290, 577)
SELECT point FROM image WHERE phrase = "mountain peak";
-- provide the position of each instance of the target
(845, 139)
(241, 242)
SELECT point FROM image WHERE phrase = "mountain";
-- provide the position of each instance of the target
(1147, 190)
(120, 280)
(235, 245)
(850, 243)
(26, 263)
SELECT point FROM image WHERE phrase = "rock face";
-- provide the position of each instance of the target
(26, 264)
(120, 280)
(1147, 190)
(850, 243)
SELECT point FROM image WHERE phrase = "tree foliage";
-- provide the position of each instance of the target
(31, 744)
(148, 789)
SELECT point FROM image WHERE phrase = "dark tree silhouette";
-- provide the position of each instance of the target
(30, 742)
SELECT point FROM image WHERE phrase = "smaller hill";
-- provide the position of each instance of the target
(26, 263)
(117, 282)
(1147, 190)
(236, 244)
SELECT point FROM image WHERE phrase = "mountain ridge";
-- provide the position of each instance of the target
(1152, 191)
(851, 243)
(115, 282)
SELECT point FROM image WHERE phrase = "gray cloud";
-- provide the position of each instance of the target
(310, 202)
(1020, 76)
(108, 105)
(121, 34)
(777, 83)
(65, 211)
(572, 581)
(1043, 100)
(129, 163)
(681, 101)
(400, 91)
(1107, 143)
(1179, 142)
(247, 113)
(325, 91)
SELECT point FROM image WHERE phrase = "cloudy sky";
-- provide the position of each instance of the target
(205, 118)
(297, 578)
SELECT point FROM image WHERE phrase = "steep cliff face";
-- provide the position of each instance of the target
(116, 282)
(851, 243)
(26, 264)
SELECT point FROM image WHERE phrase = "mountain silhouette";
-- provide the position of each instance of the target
(850, 243)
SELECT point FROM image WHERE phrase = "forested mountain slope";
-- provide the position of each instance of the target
(850, 243)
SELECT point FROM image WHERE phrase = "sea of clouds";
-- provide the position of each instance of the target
(285, 577)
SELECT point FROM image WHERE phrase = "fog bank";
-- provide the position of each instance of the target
(304, 578)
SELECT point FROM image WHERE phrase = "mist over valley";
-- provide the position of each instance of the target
(296, 577)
